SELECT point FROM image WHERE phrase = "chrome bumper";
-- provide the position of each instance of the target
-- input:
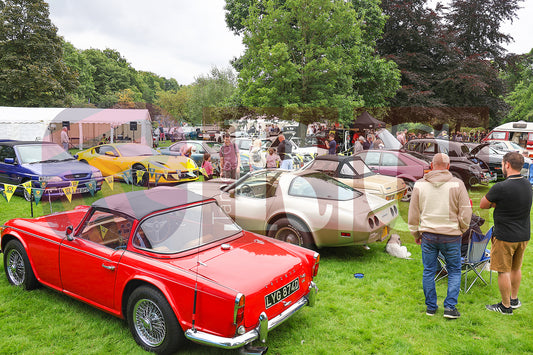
(261, 332)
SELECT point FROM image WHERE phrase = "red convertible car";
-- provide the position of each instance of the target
(170, 262)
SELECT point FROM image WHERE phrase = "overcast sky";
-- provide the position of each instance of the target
(181, 39)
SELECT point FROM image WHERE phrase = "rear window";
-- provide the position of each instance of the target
(318, 185)
(324, 165)
(183, 229)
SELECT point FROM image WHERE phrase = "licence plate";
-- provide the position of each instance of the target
(82, 190)
(281, 293)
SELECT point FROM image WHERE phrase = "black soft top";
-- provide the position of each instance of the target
(138, 204)
(339, 158)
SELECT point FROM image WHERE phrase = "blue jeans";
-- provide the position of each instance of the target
(286, 164)
(450, 247)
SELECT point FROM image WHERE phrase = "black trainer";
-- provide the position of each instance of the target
(499, 307)
(515, 303)
(431, 312)
(451, 313)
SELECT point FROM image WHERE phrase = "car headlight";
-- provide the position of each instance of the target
(53, 178)
(97, 174)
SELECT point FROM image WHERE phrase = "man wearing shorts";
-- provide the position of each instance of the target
(511, 200)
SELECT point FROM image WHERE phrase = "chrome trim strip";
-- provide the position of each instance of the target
(260, 332)
(32, 234)
(236, 306)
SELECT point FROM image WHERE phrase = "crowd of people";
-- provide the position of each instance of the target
(472, 137)
(438, 228)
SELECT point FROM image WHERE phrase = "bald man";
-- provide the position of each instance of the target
(439, 212)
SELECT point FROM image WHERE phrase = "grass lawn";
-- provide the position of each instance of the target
(382, 313)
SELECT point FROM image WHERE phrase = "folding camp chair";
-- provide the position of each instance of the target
(476, 259)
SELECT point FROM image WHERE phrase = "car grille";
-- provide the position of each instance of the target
(77, 176)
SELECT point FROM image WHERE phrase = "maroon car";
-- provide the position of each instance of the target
(398, 164)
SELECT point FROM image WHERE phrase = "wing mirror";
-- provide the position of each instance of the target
(108, 153)
(9, 160)
(68, 233)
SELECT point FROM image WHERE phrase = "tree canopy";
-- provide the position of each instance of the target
(311, 54)
(521, 95)
(32, 72)
(449, 56)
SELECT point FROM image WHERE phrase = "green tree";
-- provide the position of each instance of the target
(474, 28)
(112, 74)
(521, 96)
(476, 25)
(32, 71)
(176, 102)
(212, 90)
(84, 70)
(310, 54)
(447, 57)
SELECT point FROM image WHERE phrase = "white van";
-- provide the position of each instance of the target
(520, 132)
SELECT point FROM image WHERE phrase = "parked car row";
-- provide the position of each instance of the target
(192, 261)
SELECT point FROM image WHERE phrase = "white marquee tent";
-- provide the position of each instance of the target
(86, 124)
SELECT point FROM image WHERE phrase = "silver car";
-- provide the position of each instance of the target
(307, 208)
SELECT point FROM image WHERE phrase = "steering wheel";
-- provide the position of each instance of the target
(246, 190)
(159, 231)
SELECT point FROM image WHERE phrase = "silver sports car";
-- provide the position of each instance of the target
(307, 207)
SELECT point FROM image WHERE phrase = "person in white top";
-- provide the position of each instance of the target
(65, 140)
(257, 159)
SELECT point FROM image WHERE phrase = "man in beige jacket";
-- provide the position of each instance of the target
(439, 212)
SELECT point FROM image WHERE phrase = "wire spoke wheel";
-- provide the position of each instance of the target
(15, 267)
(152, 321)
(149, 322)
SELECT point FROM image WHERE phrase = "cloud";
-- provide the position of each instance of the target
(171, 38)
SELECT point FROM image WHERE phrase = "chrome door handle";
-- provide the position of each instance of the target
(108, 267)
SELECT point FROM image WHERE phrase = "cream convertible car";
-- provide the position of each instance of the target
(307, 208)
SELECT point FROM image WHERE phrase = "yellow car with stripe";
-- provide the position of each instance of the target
(139, 163)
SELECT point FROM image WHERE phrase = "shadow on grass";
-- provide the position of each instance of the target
(359, 252)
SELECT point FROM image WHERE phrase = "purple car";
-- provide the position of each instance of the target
(398, 164)
(47, 166)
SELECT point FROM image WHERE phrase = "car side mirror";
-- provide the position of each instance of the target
(108, 153)
(9, 160)
(68, 233)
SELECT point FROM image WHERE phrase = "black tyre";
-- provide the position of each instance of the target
(28, 196)
(292, 231)
(136, 170)
(17, 266)
(409, 191)
(152, 322)
(457, 175)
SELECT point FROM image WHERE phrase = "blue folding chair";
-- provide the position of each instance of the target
(474, 262)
